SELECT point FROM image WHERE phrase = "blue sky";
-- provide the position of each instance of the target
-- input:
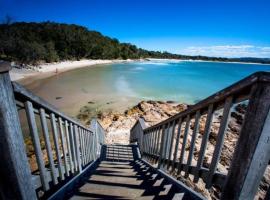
(232, 28)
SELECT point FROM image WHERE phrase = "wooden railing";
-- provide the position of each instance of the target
(62, 147)
(171, 143)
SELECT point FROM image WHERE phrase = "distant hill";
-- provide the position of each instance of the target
(32, 43)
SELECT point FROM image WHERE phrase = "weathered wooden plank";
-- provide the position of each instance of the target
(147, 142)
(69, 147)
(15, 173)
(151, 141)
(220, 140)
(88, 147)
(206, 133)
(154, 141)
(157, 140)
(64, 146)
(161, 145)
(83, 145)
(171, 144)
(192, 143)
(35, 138)
(164, 155)
(56, 145)
(187, 127)
(76, 138)
(72, 146)
(252, 153)
(92, 146)
(48, 145)
(176, 144)
(80, 145)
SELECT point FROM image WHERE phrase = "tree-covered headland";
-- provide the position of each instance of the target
(32, 43)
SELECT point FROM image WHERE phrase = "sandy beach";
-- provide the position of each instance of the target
(49, 69)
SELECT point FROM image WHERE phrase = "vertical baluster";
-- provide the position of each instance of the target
(158, 140)
(93, 142)
(177, 143)
(155, 142)
(45, 131)
(145, 141)
(82, 144)
(161, 145)
(71, 166)
(56, 145)
(164, 155)
(76, 138)
(220, 139)
(90, 146)
(35, 137)
(179, 167)
(71, 134)
(87, 147)
(206, 133)
(171, 144)
(94, 153)
(64, 146)
(192, 143)
(148, 142)
(151, 142)
(168, 139)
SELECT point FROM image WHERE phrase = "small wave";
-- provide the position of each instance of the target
(138, 69)
(153, 63)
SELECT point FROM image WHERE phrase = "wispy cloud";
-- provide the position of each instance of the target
(228, 51)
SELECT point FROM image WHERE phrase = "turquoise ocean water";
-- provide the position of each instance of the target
(183, 81)
(124, 84)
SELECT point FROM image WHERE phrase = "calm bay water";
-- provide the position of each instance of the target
(119, 86)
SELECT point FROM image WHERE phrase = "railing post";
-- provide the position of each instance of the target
(15, 181)
(253, 149)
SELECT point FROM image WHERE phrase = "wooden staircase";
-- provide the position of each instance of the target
(75, 163)
(119, 176)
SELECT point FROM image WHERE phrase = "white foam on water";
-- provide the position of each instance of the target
(123, 87)
(138, 69)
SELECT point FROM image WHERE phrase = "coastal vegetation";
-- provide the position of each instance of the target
(33, 43)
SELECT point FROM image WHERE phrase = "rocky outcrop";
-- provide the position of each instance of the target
(118, 125)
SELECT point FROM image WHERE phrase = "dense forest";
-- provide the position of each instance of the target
(32, 43)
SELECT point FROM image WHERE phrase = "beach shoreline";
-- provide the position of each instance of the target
(21, 74)
(46, 70)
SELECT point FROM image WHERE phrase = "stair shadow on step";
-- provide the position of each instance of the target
(134, 181)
